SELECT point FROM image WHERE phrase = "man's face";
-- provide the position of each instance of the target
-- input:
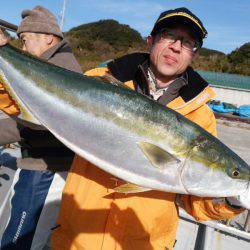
(168, 59)
(34, 43)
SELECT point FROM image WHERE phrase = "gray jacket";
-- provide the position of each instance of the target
(40, 149)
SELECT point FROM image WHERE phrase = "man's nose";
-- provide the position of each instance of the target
(175, 45)
(24, 48)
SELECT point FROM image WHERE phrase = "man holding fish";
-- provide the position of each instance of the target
(93, 216)
(133, 138)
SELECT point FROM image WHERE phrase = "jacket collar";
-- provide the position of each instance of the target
(62, 46)
(132, 67)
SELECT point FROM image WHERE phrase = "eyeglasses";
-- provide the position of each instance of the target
(172, 36)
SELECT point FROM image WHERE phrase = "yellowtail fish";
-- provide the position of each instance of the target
(121, 131)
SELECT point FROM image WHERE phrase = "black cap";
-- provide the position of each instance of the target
(180, 15)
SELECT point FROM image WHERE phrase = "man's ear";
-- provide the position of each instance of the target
(49, 39)
(150, 41)
(194, 55)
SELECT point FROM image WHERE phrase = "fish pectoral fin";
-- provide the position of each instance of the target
(25, 114)
(129, 188)
(158, 157)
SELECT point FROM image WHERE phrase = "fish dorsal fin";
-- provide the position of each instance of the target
(112, 80)
(158, 157)
(25, 113)
(130, 188)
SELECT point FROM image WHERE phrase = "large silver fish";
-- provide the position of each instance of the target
(121, 131)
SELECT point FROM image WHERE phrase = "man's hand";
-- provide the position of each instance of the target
(3, 39)
(242, 200)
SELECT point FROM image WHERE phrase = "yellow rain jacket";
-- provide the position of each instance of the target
(94, 217)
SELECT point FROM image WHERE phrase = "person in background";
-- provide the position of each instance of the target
(93, 215)
(45, 160)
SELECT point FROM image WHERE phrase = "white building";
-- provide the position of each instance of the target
(230, 88)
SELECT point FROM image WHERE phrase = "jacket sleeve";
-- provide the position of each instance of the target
(203, 209)
(9, 133)
(7, 105)
(97, 72)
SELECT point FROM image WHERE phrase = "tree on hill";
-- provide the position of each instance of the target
(108, 31)
(240, 55)
(239, 60)
(209, 52)
(211, 60)
(99, 41)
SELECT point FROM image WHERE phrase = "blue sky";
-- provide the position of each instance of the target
(227, 21)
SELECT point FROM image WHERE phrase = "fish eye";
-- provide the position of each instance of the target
(235, 173)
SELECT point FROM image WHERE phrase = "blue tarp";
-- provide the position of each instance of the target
(220, 107)
(244, 111)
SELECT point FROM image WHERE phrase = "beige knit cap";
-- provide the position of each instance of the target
(39, 20)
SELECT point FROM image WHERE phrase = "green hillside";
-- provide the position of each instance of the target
(237, 62)
(240, 60)
(100, 41)
(109, 31)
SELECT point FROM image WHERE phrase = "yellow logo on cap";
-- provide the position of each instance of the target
(186, 15)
